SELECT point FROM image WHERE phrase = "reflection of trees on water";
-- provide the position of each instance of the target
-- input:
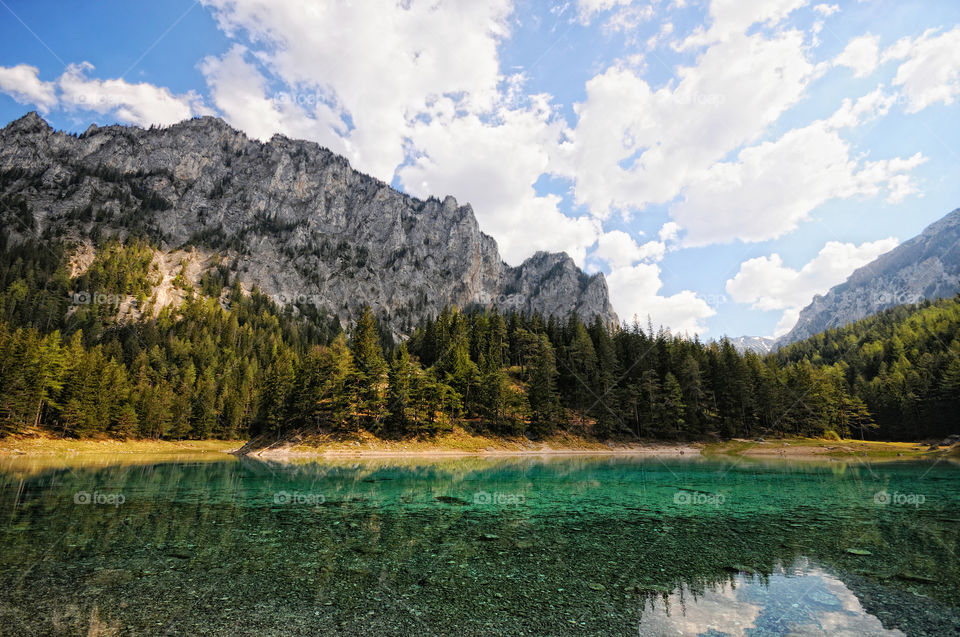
(596, 541)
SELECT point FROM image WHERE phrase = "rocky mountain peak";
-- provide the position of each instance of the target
(287, 216)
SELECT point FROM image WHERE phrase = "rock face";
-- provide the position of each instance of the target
(288, 216)
(925, 267)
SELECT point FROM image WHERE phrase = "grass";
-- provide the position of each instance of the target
(44, 444)
(821, 447)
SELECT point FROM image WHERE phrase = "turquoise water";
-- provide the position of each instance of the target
(506, 546)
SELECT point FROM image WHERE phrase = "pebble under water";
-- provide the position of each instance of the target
(566, 545)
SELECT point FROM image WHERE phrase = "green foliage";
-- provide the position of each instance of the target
(228, 364)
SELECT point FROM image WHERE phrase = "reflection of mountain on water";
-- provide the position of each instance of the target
(801, 600)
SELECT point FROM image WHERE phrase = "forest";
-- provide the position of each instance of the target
(231, 364)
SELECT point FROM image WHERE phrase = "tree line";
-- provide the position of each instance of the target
(228, 364)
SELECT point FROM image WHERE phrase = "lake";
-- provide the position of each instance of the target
(566, 545)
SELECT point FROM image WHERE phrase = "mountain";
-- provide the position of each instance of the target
(756, 344)
(925, 267)
(287, 216)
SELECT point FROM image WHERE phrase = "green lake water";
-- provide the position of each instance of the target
(580, 545)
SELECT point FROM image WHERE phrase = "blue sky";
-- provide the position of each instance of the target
(720, 161)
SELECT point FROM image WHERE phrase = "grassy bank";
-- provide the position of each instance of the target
(47, 445)
(815, 447)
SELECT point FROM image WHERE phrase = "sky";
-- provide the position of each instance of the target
(720, 161)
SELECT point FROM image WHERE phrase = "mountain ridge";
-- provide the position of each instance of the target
(288, 216)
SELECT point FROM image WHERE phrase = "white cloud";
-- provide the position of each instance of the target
(628, 20)
(767, 284)
(826, 9)
(733, 17)
(381, 68)
(669, 231)
(22, 83)
(635, 289)
(141, 103)
(666, 29)
(619, 249)
(867, 107)
(771, 187)
(634, 146)
(931, 70)
(587, 8)
(862, 54)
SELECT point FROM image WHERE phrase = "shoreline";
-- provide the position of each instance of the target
(639, 450)
(460, 444)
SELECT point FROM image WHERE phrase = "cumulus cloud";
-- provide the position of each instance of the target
(22, 83)
(773, 186)
(767, 284)
(826, 10)
(862, 54)
(376, 68)
(669, 231)
(730, 18)
(142, 103)
(930, 72)
(634, 146)
(619, 249)
(132, 103)
(635, 292)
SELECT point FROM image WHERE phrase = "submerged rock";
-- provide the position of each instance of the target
(859, 552)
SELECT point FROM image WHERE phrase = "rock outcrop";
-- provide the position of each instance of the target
(290, 217)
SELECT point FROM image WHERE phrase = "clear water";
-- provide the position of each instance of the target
(506, 546)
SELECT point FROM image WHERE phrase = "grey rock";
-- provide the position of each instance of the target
(925, 267)
(290, 217)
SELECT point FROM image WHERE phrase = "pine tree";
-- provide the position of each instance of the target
(371, 367)
(401, 383)
(541, 393)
